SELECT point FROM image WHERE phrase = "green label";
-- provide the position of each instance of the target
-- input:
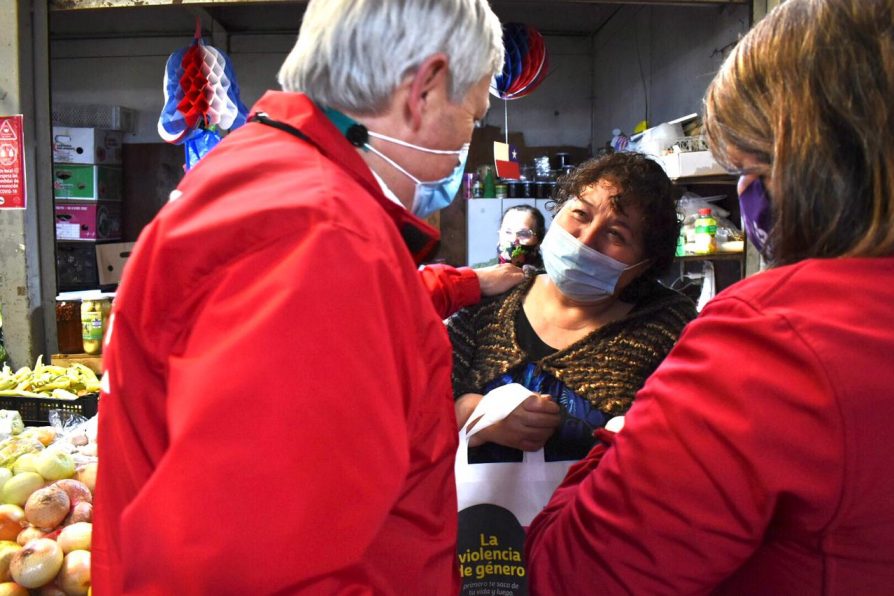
(91, 325)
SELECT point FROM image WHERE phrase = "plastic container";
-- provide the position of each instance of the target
(35, 411)
(705, 232)
(94, 320)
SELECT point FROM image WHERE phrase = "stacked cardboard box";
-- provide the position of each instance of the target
(88, 193)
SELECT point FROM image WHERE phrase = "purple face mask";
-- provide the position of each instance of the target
(756, 216)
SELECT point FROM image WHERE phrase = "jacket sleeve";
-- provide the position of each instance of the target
(734, 423)
(289, 375)
(451, 288)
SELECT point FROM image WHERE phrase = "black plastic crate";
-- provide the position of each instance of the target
(35, 411)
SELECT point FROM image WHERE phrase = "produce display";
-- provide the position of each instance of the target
(47, 478)
(47, 380)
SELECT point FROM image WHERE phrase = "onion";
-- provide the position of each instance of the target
(76, 490)
(36, 564)
(12, 521)
(54, 464)
(47, 507)
(28, 534)
(18, 488)
(74, 577)
(82, 512)
(77, 536)
(51, 590)
(7, 550)
(87, 475)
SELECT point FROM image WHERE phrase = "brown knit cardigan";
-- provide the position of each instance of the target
(607, 367)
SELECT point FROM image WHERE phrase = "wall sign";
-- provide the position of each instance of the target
(12, 163)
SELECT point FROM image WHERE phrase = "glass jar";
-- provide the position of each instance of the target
(94, 320)
(68, 326)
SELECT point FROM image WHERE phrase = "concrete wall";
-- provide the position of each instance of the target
(595, 82)
(655, 62)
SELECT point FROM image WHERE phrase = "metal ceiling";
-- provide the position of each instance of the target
(73, 19)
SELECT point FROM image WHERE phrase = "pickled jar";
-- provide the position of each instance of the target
(94, 320)
(68, 326)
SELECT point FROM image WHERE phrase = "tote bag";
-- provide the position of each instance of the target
(497, 501)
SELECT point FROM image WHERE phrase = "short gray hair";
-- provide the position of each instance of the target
(352, 54)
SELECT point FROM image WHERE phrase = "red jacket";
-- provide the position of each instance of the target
(450, 288)
(278, 416)
(756, 460)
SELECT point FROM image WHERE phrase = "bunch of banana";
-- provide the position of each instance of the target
(47, 380)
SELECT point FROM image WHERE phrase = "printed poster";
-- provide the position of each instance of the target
(12, 163)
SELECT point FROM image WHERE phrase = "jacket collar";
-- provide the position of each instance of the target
(298, 111)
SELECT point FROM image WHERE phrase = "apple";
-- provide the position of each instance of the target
(18, 488)
(36, 564)
(12, 521)
(55, 464)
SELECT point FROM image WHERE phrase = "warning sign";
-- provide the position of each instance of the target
(12, 163)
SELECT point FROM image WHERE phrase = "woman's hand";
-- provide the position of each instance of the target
(527, 428)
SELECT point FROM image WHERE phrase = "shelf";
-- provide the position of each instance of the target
(717, 256)
(717, 179)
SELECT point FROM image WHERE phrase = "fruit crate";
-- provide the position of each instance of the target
(35, 411)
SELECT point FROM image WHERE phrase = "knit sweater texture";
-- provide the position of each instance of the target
(607, 367)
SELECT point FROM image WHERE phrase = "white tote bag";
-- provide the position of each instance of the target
(497, 501)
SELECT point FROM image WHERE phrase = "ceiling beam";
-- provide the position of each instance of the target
(93, 4)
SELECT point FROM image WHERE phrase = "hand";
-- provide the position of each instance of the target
(528, 427)
(497, 279)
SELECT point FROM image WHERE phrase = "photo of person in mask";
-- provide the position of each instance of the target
(521, 232)
(584, 336)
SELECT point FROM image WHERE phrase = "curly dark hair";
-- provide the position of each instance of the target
(643, 183)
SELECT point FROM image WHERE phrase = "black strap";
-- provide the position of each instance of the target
(263, 119)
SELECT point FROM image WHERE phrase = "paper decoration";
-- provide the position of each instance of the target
(526, 63)
(201, 98)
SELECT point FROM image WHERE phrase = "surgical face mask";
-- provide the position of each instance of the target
(756, 215)
(581, 273)
(429, 196)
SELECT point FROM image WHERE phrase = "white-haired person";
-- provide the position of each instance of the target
(277, 414)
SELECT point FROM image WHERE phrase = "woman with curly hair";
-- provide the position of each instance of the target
(582, 338)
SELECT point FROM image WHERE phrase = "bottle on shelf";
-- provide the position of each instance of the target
(705, 232)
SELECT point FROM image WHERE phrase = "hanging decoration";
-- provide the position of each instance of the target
(526, 63)
(201, 98)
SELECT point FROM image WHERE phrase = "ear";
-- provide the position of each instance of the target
(429, 85)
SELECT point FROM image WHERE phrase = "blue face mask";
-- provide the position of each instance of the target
(429, 196)
(581, 273)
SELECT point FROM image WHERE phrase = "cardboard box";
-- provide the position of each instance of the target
(88, 183)
(691, 163)
(76, 266)
(93, 220)
(110, 261)
(86, 145)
